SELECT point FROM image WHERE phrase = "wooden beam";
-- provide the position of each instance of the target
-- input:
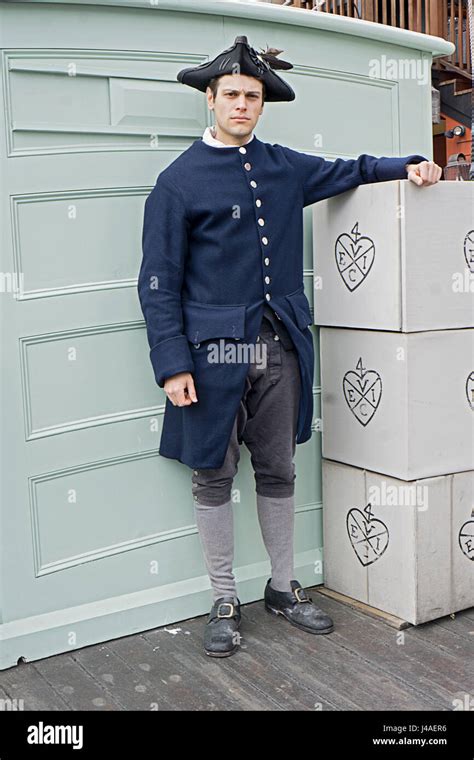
(368, 10)
(395, 622)
(439, 129)
(411, 15)
(402, 15)
(452, 17)
(460, 14)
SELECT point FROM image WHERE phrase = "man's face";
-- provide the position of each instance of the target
(237, 105)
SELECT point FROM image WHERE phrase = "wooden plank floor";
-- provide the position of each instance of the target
(365, 664)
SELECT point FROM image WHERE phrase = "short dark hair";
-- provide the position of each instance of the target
(214, 83)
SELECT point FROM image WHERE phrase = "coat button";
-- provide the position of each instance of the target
(242, 150)
(266, 260)
(265, 241)
(258, 202)
(267, 279)
(275, 337)
(247, 166)
(261, 221)
(267, 296)
(253, 183)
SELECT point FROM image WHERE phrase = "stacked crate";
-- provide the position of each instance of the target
(394, 296)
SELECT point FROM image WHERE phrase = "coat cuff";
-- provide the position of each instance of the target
(171, 356)
(394, 168)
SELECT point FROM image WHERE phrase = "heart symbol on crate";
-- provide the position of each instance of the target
(369, 537)
(469, 250)
(470, 390)
(355, 255)
(466, 538)
(362, 391)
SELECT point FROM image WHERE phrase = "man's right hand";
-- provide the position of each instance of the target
(180, 389)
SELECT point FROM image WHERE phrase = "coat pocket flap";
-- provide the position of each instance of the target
(204, 321)
(301, 308)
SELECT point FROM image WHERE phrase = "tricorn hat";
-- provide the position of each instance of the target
(240, 58)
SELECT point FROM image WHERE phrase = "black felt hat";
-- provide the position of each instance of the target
(242, 59)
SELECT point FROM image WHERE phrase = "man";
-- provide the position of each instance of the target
(222, 275)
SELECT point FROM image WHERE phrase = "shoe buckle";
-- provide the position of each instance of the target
(225, 604)
(296, 593)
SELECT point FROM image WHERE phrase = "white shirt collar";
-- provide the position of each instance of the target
(209, 138)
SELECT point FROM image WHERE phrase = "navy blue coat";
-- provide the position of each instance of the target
(222, 236)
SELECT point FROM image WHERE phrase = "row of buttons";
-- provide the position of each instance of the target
(261, 222)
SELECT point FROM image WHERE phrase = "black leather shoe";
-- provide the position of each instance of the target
(297, 607)
(220, 634)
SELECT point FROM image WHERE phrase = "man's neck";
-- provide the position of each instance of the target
(230, 139)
